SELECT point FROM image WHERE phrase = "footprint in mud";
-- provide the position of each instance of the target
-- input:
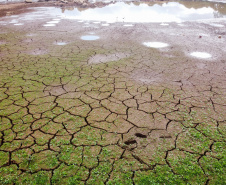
(130, 142)
(140, 135)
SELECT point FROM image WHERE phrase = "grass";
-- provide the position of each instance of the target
(79, 137)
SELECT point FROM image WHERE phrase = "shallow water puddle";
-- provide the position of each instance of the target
(201, 55)
(105, 24)
(90, 37)
(13, 21)
(49, 25)
(128, 25)
(61, 43)
(217, 25)
(164, 24)
(155, 44)
(19, 24)
(147, 12)
(53, 22)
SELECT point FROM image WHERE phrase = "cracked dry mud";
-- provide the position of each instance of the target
(111, 111)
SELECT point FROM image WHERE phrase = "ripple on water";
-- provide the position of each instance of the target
(201, 55)
(90, 37)
(155, 44)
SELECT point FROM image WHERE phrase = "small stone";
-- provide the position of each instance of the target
(219, 36)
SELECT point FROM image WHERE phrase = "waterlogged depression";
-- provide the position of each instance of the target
(146, 12)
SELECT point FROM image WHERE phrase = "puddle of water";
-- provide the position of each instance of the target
(155, 44)
(128, 25)
(31, 34)
(61, 43)
(217, 25)
(13, 21)
(53, 22)
(164, 24)
(105, 24)
(148, 12)
(14, 16)
(18, 24)
(49, 25)
(180, 24)
(90, 37)
(201, 55)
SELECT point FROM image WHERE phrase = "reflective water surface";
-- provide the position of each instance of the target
(90, 37)
(148, 12)
(155, 44)
(201, 55)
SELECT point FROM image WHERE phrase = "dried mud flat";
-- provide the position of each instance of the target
(111, 111)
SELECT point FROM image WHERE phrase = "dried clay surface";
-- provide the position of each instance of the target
(110, 111)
